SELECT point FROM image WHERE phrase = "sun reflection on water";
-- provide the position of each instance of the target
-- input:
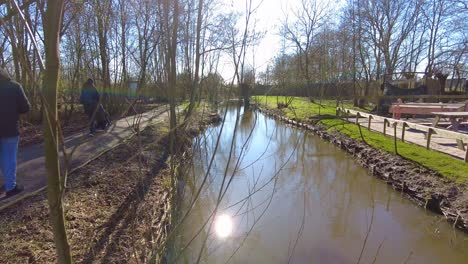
(223, 225)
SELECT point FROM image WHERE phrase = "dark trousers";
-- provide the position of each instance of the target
(89, 110)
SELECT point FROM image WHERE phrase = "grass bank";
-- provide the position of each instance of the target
(303, 110)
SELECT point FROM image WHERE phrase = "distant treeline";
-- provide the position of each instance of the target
(325, 90)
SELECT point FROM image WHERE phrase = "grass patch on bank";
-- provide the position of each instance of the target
(447, 166)
(185, 106)
(302, 109)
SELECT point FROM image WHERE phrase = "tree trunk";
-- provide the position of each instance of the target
(123, 40)
(171, 68)
(197, 60)
(52, 25)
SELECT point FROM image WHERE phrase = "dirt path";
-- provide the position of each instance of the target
(31, 168)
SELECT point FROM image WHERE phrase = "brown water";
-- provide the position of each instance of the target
(309, 203)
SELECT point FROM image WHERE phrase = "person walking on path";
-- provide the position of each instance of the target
(90, 99)
(13, 102)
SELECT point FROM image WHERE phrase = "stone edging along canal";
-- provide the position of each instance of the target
(423, 186)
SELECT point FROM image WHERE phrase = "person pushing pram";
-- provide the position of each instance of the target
(90, 99)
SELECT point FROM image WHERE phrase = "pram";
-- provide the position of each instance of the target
(102, 118)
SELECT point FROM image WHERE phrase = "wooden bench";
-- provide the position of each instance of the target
(455, 120)
(454, 117)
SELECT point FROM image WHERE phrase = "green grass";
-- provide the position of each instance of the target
(447, 166)
(301, 109)
(185, 105)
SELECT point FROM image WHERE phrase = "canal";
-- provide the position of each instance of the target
(277, 194)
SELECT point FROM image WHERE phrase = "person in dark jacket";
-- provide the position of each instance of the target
(13, 102)
(90, 99)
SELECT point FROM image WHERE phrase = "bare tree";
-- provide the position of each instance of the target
(52, 25)
(389, 24)
(309, 17)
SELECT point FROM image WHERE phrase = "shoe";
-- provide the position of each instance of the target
(14, 191)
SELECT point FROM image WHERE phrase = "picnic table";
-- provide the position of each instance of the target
(455, 120)
(424, 108)
(454, 117)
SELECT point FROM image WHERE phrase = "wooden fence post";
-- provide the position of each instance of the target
(358, 115)
(395, 137)
(385, 126)
(359, 127)
(403, 131)
(369, 124)
(430, 131)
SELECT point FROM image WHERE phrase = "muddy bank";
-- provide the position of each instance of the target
(117, 207)
(427, 188)
(110, 205)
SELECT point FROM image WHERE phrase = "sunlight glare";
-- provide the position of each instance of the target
(223, 226)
